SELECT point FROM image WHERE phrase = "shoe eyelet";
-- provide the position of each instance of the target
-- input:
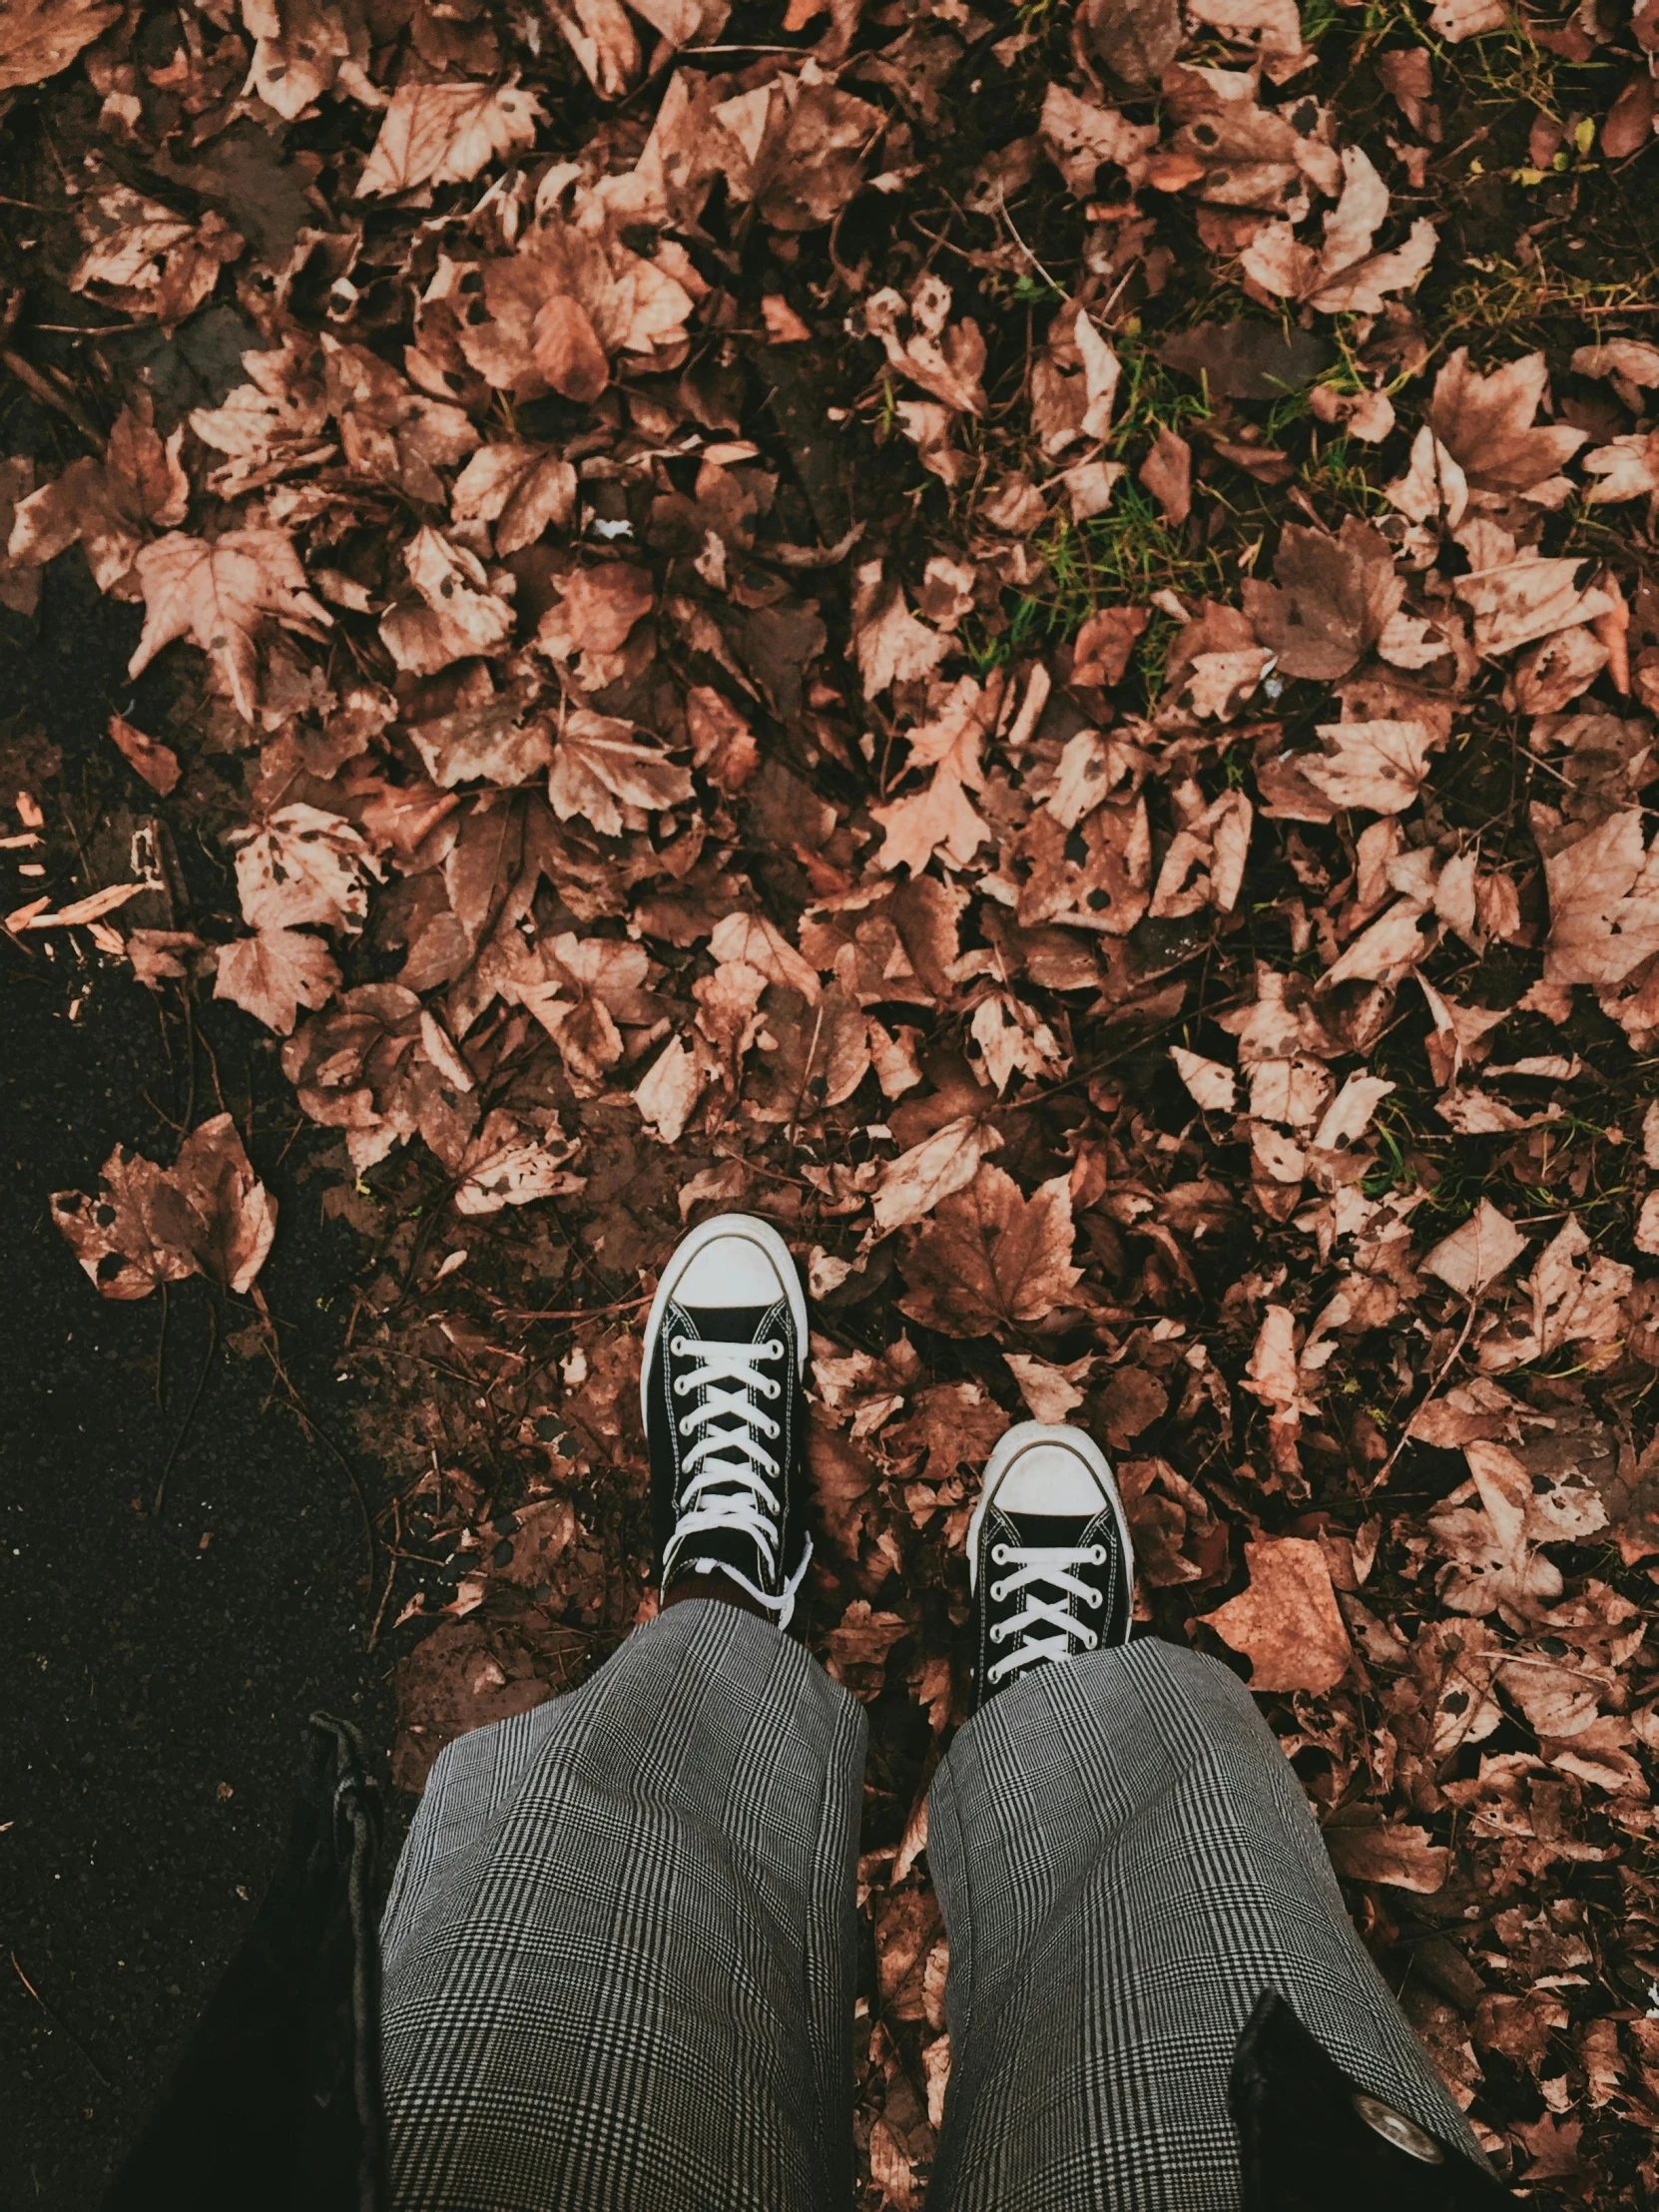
(677, 1346)
(682, 1385)
(774, 1389)
(1096, 1600)
(1097, 1554)
(996, 1593)
(999, 1554)
(1091, 1642)
(775, 1347)
(997, 1632)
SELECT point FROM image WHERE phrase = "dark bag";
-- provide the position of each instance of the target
(1312, 2140)
(275, 2105)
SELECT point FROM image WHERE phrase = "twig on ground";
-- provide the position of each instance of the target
(190, 1412)
(68, 2032)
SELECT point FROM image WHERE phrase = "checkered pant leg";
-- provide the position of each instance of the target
(1126, 1860)
(619, 1947)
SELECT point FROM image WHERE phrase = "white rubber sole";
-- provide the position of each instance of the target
(1009, 1448)
(757, 1231)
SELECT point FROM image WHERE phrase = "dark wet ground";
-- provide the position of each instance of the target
(155, 1671)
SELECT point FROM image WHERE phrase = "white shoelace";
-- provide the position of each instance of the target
(733, 1490)
(1052, 1566)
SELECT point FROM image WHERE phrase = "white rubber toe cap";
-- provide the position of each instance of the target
(1050, 1475)
(730, 1269)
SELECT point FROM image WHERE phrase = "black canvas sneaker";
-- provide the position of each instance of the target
(719, 1387)
(1049, 1556)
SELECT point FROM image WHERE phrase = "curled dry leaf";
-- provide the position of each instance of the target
(208, 1214)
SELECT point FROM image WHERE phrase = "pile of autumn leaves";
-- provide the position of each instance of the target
(523, 740)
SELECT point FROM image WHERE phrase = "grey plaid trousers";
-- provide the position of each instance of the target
(620, 1948)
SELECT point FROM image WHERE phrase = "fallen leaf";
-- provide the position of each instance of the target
(40, 37)
(222, 596)
(991, 1257)
(272, 974)
(1285, 1623)
(1474, 1255)
(208, 1214)
(445, 133)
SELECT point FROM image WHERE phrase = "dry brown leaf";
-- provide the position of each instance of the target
(208, 1214)
(914, 1185)
(1603, 912)
(991, 1257)
(1486, 424)
(158, 763)
(303, 865)
(271, 975)
(940, 816)
(1474, 1255)
(1285, 1623)
(445, 133)
(40, 37)
(222, 596)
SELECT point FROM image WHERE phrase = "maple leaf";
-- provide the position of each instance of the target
(892, 647)
(1344, 276)
(591, 621)
(388, 434)
(208, 1214)
(1332, 599)
(989, 1258)
(40, 37)
(1285, 1623)
(221, 595)
(940, 816)
(1603, 912)
(303, 48)
(558, 308)
(109, 507)
(1485, 425)
(272, 426)
(1626, 469)
(600, 767)
(1381, 766)
(271, 975)
(445, 133)
(150, 262)
(522, 489)
(1517, 596)
(915, 1184)
(303, 865)
(453, 616)
(511, 1163)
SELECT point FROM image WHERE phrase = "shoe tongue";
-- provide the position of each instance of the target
(727, 1325)
(1049, 1531)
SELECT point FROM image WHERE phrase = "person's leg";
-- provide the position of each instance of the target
(1126, 1863)
(619, 1952)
